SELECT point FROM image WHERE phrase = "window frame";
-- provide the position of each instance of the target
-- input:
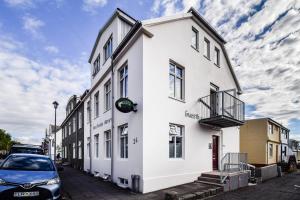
(88, 147)
(108, 43)
(207, 44)
(96, 144)
(182, 78)
(80, 125)
(79, 149)
(217, 57)
(107, 96)
(74, 124)
(96, 66)
(126, 146)
(271, 150)
(196, 32)
(74, 151)
(96, 104)
(123, 81)
(175, 140)
(89, 112)
(107, 142)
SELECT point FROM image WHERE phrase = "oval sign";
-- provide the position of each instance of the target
(124, 105)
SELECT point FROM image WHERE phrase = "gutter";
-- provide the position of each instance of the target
(112, 124)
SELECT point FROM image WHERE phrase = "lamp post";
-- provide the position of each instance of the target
(55, 104)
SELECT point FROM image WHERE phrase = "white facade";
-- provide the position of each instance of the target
(51, 138)
(148, 55)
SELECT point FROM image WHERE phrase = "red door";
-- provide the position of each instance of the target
(215, 152)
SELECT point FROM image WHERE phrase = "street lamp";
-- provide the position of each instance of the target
(55, 104)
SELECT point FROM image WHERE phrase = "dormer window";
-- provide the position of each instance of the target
(107, 49)
(96, 65)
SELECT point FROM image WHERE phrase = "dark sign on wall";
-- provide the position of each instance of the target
(125, 105)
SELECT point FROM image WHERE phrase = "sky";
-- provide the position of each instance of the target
(45, 45)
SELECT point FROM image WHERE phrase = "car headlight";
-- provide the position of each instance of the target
(2, 182)
(53, 181)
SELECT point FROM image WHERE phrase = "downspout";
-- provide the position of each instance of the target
(112, 123)
(90, 149)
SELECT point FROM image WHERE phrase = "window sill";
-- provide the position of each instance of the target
(206, 57)
(195, 48)
(123, 159)
(180, 100)
(176, 159)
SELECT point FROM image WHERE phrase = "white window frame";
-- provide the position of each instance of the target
(96, 141)
(80, 120)
(123, 81)
(107, 95)
(70, 128)
(217, 57)
(96, 104)
(271, 128)
(107, 143)
(123, 137)
(206, 51)
(176, 77)
(79, 150)
(88, 147)
(74, 150)
(74, 124)
(195, 33)
(173, 133)
(108, 49)
(96, 66)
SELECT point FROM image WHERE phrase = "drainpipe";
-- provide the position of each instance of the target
(90, 149)
(221, 153)
(112, 123)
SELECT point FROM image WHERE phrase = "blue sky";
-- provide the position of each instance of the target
(45, 45)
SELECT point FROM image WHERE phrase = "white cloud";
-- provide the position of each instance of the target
(32, 25)
(20, 3)
(91, 6)
(264, 46)
(29, 87)
(52, 49)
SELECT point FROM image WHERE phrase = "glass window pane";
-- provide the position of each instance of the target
(172, 68)
(178, 72)
(178, 147)
(178, 87)
(171, 85)
(172, 147)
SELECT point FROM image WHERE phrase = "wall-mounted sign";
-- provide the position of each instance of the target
(98, 125)
(191, 115)
(125, 105)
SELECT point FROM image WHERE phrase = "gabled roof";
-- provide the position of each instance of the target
(118, 12)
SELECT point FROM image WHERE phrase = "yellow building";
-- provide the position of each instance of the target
(260, 138)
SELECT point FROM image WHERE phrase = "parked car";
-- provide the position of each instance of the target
(29, 176)
(26, 148)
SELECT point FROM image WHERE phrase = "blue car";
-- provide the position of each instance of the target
(29, 176)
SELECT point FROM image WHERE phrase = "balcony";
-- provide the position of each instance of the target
(222, 110)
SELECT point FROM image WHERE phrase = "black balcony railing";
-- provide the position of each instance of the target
(222, 109)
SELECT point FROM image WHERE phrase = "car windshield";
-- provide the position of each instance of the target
(28, 163)
(25, 150)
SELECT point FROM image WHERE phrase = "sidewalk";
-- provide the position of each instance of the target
(77, 185)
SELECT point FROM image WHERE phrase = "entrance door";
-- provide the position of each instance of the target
(215, 152)
(214, 100)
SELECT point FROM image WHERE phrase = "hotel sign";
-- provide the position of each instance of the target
(125, 105)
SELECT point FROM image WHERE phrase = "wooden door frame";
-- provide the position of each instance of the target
(217, 151)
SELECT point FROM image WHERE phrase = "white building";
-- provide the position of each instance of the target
(51, 139)
(176, 70)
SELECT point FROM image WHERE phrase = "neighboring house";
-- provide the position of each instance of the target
(294, 148)
(284, 146)
(187, 110)
(50, 135)
(73, 132)
(262, 139)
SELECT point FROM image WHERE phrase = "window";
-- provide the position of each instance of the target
(175, 141)
(63, 152)
(107, 140)
(80, 120)
(217, 57)
(66, 130)
(123, 76)
(270, 126)
(107, 49)
(74, 150)
(206, 48)
(125, 28)
(123, 181)
(79, 150)
(123, 131)
(70, 131)
(63, 133)
(74, 124)
(71, 106)
(195, 35)
(176, 81)
(88, 146)
(66, 152)
(285, 149)
(96, 66)
(96, 138)
(270, 150)
(88, 108)
(107, 99)
(96, 101)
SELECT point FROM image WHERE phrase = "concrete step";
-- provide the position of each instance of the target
(209, 175)
(209, 179)
(211, 183)
(203, 194)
